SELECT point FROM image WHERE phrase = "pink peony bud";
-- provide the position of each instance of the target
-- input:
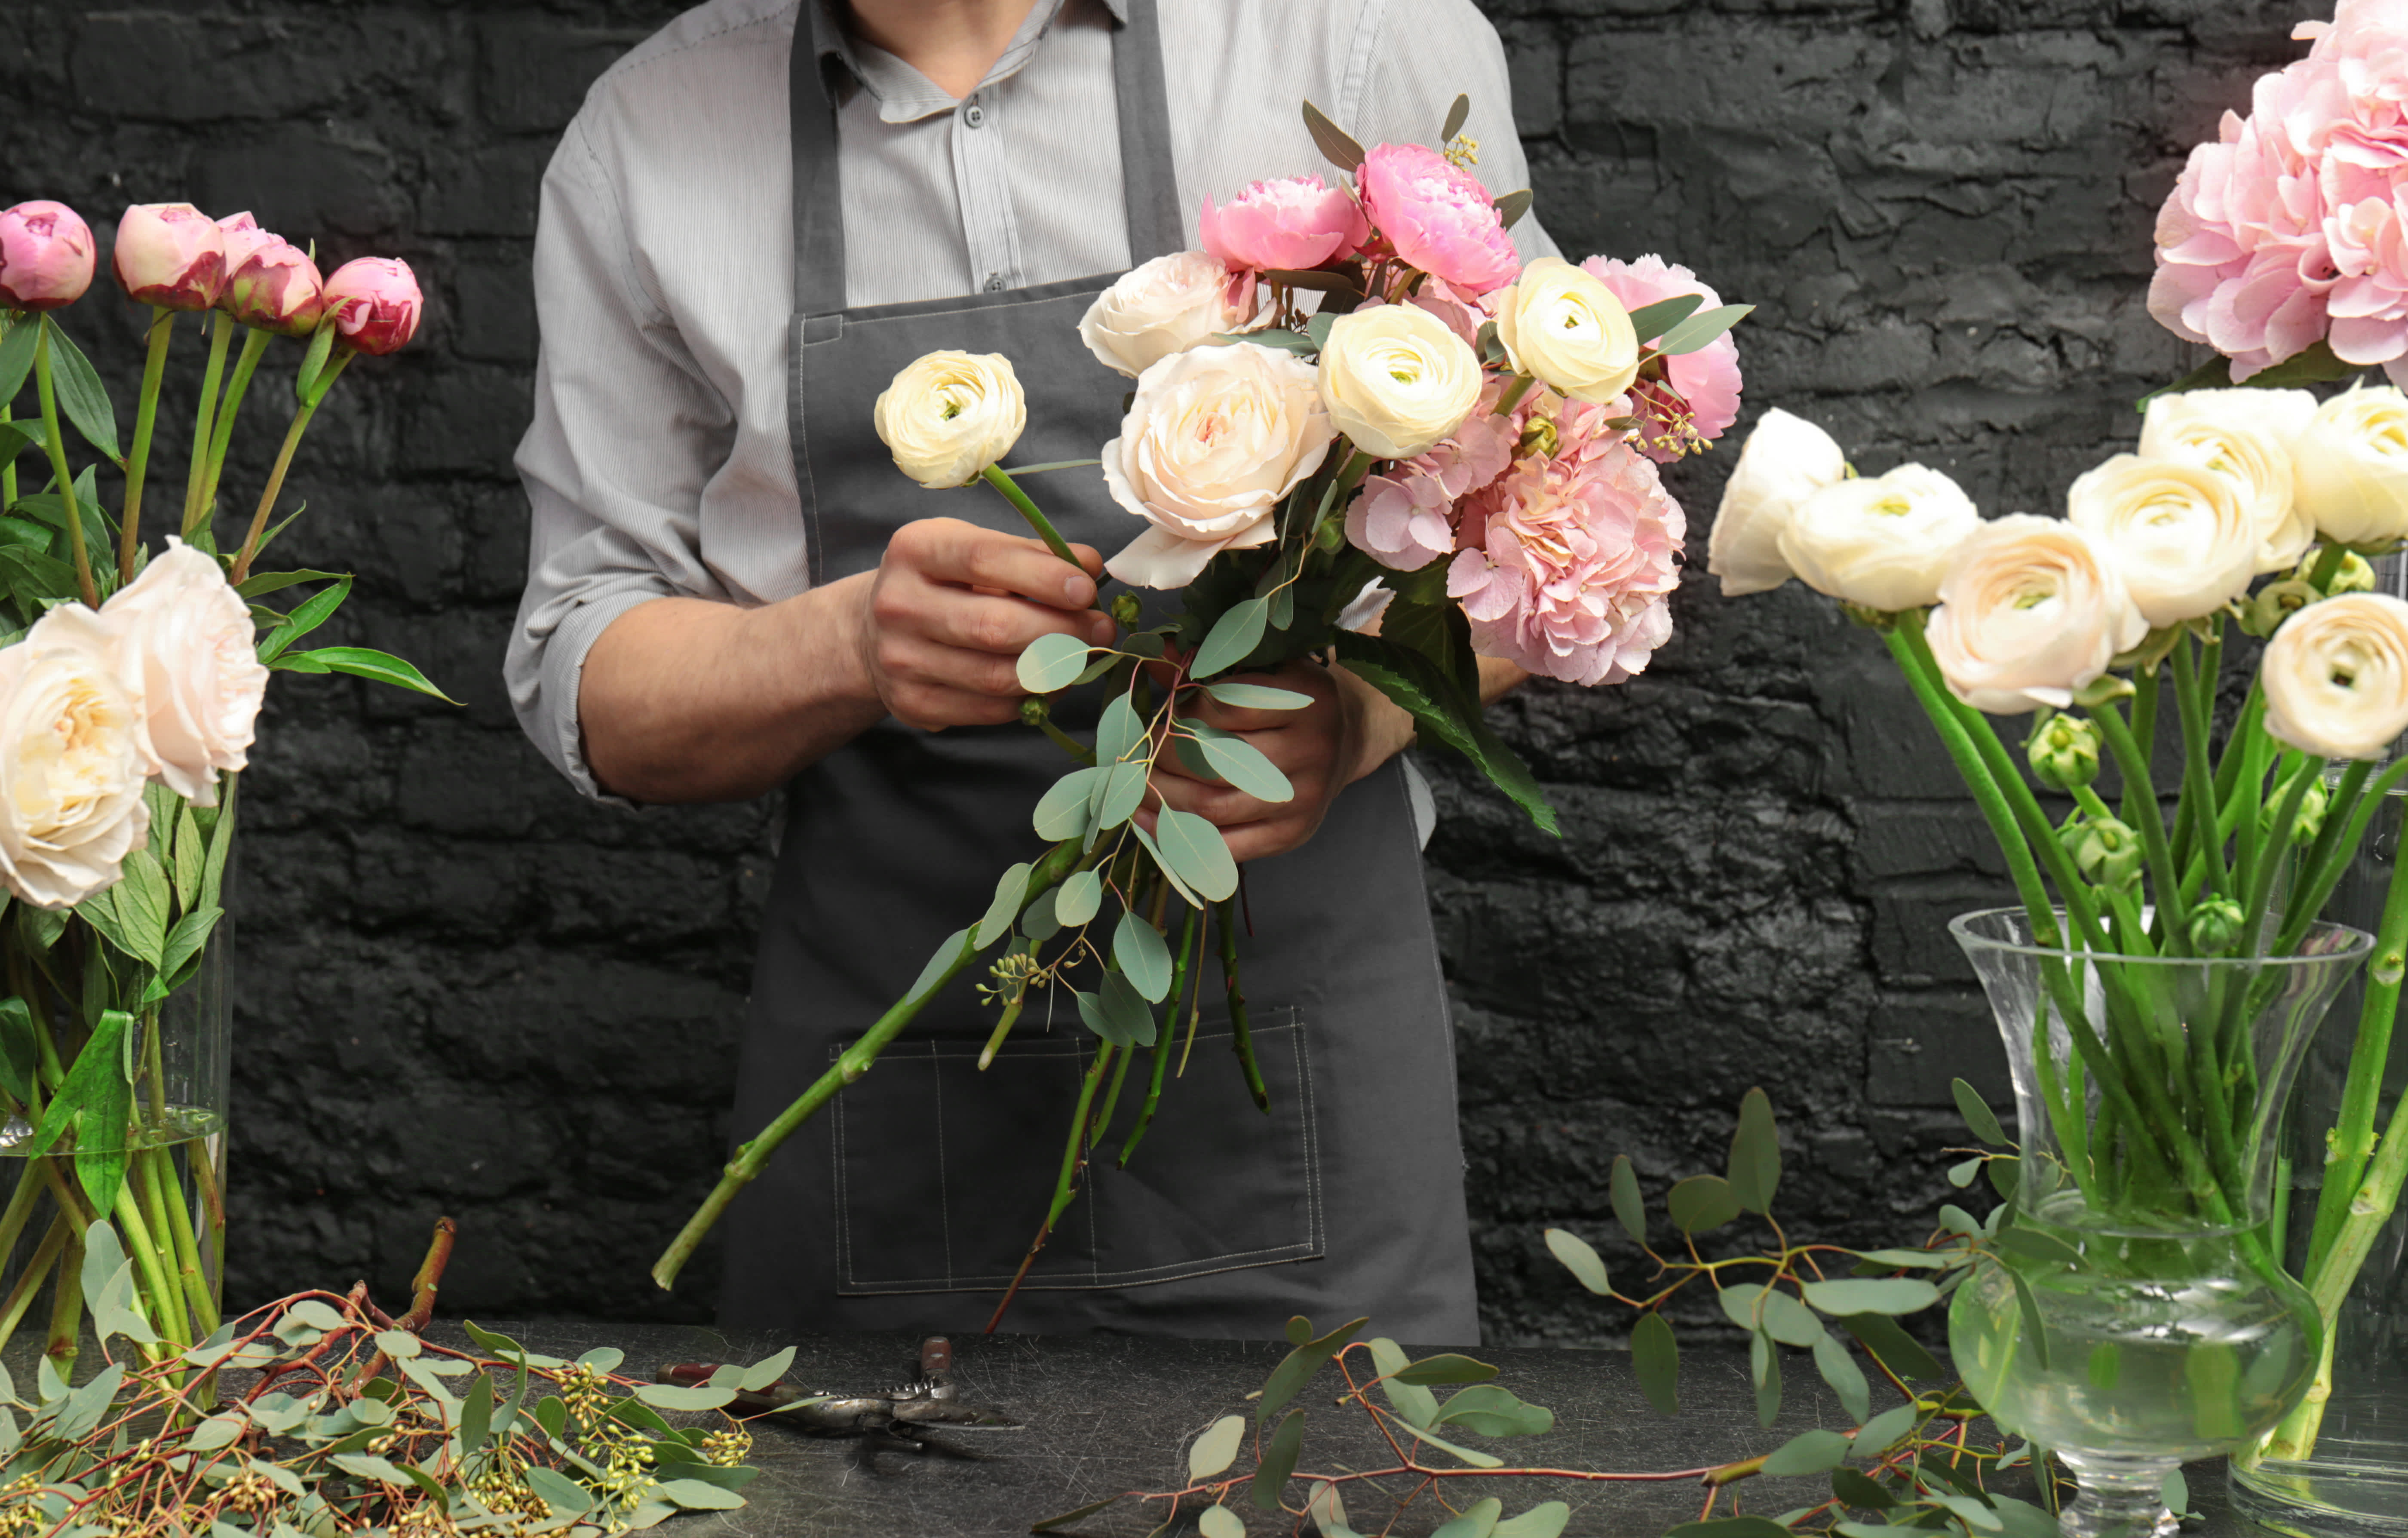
(1294, 223)
(242, 237)
(1437, 216)
(373, 305)
(170, 255)
(276, 288)
(45, 256)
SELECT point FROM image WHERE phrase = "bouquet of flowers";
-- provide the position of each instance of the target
(1450, 456)
(129, 685)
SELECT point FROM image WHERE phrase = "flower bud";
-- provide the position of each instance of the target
(373, 303)
(170, 255)
(1539, 439)
(2065, 752)
(2276, 602)
(276, 288)
(2311, 820)
(1033, 710)
(45, 256)
(2105, 850)
(2216, 926)
(1125, 611)
(2357, 575)
(242, 236)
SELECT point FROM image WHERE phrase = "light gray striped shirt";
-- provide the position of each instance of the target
(658, 461)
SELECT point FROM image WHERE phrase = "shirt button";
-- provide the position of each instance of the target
(974, 115)
(995, 282)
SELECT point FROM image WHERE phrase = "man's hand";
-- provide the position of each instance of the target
(1349, 730)
(943, 619)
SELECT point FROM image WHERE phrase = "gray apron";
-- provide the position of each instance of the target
(909, 1204)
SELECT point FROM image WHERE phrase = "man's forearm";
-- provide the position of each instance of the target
(685, 699)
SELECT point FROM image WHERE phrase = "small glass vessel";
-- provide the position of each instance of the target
(2138, 1316)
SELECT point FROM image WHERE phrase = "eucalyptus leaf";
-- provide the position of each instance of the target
(1082, 895)
(1755, 1153)
(1455, 120)
(1194, 850)
(1979, 1117)
(1221, 1522)
(1446, 1366)
(1118, 795)
(1005, 907)
(1477, 1520)
(1053, 661)
(1336, 145)
(696, 1495)
(1255, 696)
(1701, 329)
(1298, 1366)
(1062, 811)
(948, 950)
(1233, 638)
(1650, 322)
(1469, 1455)
(1839, 1368)
(2032, 1245)
(1242, 763)
(1881, 1433)
(1579, 1258)
(1511, 205)
(1411, 1400)
(1217, 1448)
(1486, 1409)
(1547, 1519)
(2035, 1324)
(766, 1372)
(1702, 1203)
(1808, 1452)
(1872, 1294)
(1278, 1461)
(1656, 1357)
(1144, 958)
(1629, 1209)
(669, 1396)
(1893, 1347)
(1119, 731)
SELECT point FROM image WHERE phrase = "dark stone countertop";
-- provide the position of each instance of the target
(1103, 1415)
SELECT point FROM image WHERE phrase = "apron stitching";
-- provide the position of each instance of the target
(859, 325)
(1171, 1271)
(944, 1186)
(1312, 1135)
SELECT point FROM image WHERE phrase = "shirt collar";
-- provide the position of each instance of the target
(902, 93)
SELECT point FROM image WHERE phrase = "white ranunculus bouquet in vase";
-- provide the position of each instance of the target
(131, 679)
(1360, 432)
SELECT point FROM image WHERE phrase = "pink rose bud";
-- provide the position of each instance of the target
(45, 256)
(373, 305)
(1437, 216)
(242, 237)
(276, 288)
(170, 255)
(1294, 223)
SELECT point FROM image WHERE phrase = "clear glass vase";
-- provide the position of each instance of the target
(2338, 1466)
(2140, 1319)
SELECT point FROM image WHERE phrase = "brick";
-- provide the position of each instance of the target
(1921, 1041)
(497, 315)
(532, 72)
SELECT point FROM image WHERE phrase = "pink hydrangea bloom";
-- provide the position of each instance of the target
(1293, 223)
(1705, 383)
(1568, 562)
(1437, 216)
(1406, 518)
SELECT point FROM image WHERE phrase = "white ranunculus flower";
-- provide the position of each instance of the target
(1785, 460)
(2246, 435)
(184, 646)
(1565, 328)
(2336, 677)
(1165, 306)
(1880, 542)
(71, 765)
(2032, 609)
(948, 415)
(1214, 436)
(2350, 467)
(2183, 542)
(1396, 379)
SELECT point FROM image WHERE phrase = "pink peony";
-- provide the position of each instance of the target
(374, 304)
(1405, 519)
(1294, 223)
(1705, 383)
(242, 236)
(45, 256)
(1437, 216)
(275, 287)
(1569, 560)
(170, 255)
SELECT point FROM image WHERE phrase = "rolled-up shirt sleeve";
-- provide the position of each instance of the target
(627, 435)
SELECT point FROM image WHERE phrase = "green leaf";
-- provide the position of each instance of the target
(2175, 1493)
(1702, 1203)
(104, 1256)
(1081, 897)
(1051, 662)
(191, 860)
(1144, 958)
(1627, 1208)
(1283, 341)
(1881, 1433)
(1893, 1347)
(1117, 794)
(1255, 696)
(1278, 1461)
(764, 1372)
(1469, 1455)
(564, 1495)
(1838, 1368)
(1485, 1409)
(1117, 1012)
(1297, 1368)
(97, 1103)
(313, 363)
(1964, 1174)
(184, 941)
(1411, 1400)
(1000, 912)
(694, 1494)
(1037, 920)
(2035, 1324)
(1789, 1321)
(1977, 1114)
(1731, 1526)
(1119, 732)
(261, 583)
(1511, 205)
(223, 1430)
(1217, 1448)
(1454, 118)
(1872, 1295)
(1932, 1259)
(1413, 681)
(1328, 1512)
(1062, 811)
(1755, 1153)
(1477, 1520)
(1656, 1357)
(1582, 1260)
(1545, 1521)
(1195, 852)
(1234, 636)
(1055, 1524)
(1652, 321)
(82, 398)
(1701, 329)
(363, 662)
(1808, 1452)
(16, 357)
(669, 1396)
(1767, 1382)
(1859, 1489)
(312, 614)
(2032, 1245)
(20, 1053)
(1336, 145)
(1240, 763)
(948, 950)
(1446, 1366)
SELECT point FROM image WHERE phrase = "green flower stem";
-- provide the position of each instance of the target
(1241, 1035)
(29, 1281)
(137, 464)
(58, 448)
(1113, 1096)
(163, 1303)
(67, 1308)
(2328, 1279)
(856, 1060)
(197, 514)
(2142, 733)
(2141, 813)
(204, 420)
(2198, 794)
(1003, 483)
(153, 1204)
(2353, 1141)
(2260, 864)
(284, 461)
(1513, 393)
(20, 1208)
(1066, 1190)
(2328, 566)
(1178, 970)
(179, 1229)
(2316, 885)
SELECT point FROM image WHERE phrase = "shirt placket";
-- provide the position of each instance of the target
(988, 227)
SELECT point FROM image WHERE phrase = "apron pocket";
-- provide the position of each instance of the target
(943, 1174)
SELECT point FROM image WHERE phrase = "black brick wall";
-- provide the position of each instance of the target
(460, 989)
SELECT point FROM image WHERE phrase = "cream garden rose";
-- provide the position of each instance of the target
(1565, 328)
(1881, 542)
(1396, 379)
(948, 415)
(2351, 469)
(184, 647)
(2032, 609)
(2336, 677)
(1785, 460)
(2183, 541)
(2246, 435)
(71, 764)
(1214, 436)
(1166, 306)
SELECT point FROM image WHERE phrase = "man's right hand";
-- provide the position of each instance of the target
(945, 616)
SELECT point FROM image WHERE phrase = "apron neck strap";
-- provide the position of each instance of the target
(1149, 185)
